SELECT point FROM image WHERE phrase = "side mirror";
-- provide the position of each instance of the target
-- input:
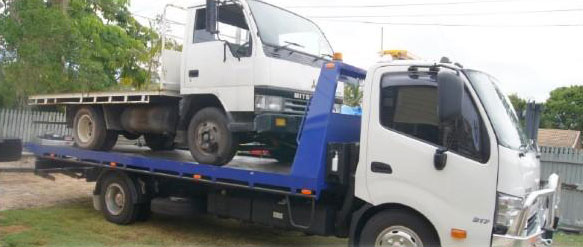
(450, 89)
(212, 16)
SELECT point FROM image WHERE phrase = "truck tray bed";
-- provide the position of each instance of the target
(244, 172)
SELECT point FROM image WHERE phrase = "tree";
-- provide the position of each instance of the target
(352, 95)
(564, 109)
(519, 105)
(69, 45)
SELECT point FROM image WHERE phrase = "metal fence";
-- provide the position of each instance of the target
(27, 124)
(568, 164)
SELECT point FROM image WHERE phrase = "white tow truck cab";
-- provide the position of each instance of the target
(245, 74)
(468, 169)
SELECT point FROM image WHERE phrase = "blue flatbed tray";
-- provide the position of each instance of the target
(246, 172)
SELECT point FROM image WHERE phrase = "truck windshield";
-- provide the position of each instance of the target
(278, 27)
(500, 111)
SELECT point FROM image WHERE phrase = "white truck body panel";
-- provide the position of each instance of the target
(171, 67)
(465, 191)
(518, 176)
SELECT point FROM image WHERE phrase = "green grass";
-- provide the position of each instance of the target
(568, 240)
(79, 225)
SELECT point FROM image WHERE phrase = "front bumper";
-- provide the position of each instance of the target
(534, 240)
(548, 200)
(277, 123)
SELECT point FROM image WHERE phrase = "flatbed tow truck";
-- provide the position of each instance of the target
(371, 178)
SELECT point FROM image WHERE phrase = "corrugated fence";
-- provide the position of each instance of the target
(568, 164)
(27, 124)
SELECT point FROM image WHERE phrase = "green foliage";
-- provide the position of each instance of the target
(518, 103)
(70, 45)
(564, 109)
(352, 95)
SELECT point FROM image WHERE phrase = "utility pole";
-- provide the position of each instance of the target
(382, 39)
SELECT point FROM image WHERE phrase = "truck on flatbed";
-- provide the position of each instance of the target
(437, 158)
(244, 76)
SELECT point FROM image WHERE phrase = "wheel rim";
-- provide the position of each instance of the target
(207, 137)
(115, 199)
(85, 129)
(398, 236)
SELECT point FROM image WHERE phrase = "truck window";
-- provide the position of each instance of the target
(409, 106)
(232, 27)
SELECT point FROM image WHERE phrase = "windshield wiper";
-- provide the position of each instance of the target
(288, 44)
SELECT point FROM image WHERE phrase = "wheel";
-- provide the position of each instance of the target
(209, 138)
(117, 200)
(159, 142)
(284, 154)
(90, 132)
(398, 228)
(130, 136)
(110, 140)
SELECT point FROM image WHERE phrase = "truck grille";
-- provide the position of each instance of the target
(295, 106)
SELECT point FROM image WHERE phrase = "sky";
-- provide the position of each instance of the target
(531, 46)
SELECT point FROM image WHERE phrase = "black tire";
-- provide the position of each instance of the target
(144, 212)
(10, 150)
(401, 221)
(159, 142)
(130, 136)
(209, 139)
(283, 155)
(126, 211)
(90, 131)
(110, 140)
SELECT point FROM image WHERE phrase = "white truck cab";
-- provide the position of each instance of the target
(245, 75)
(470, 163)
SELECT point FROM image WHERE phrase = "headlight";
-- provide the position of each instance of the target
(268, 103)
(508, 212)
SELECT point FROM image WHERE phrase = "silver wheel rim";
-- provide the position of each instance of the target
(85, 129)
(398, 236)
(115, 199)
(207, 137)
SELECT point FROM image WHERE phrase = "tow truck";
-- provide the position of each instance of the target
(437, 158)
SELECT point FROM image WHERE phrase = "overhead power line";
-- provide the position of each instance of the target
(458, 25)
(403, 4)
(452, 14)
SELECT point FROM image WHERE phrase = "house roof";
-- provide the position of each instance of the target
(558, 138)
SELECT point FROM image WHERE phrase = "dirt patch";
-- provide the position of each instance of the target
(26, 162)
(12, 229)
(25, 190)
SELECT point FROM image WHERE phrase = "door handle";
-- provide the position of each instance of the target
(379, 167)
(193, 73)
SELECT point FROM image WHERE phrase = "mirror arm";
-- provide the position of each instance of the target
(440, 158)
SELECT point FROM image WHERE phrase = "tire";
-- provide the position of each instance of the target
(159, 142)
(209, 139)
(399, 225)
(90, 132)
(283, 155)
(117, 198)
(10, 150)
(130, 136)
(110, 140)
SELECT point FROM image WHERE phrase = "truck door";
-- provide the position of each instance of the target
(218, 60)
(404, 136)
